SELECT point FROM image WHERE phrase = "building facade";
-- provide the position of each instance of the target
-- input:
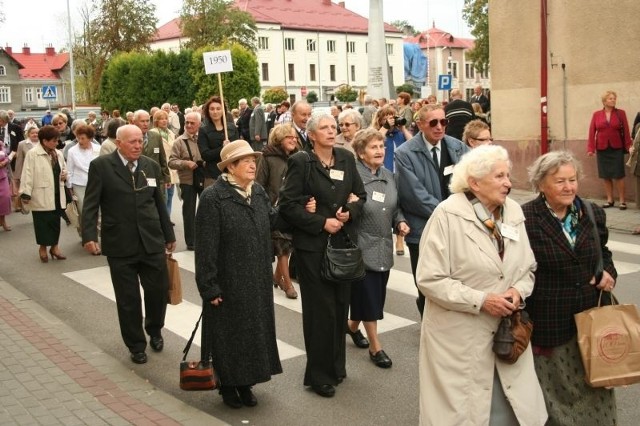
(307, 45)
(590, 49)
(447, 55)
(27, 79)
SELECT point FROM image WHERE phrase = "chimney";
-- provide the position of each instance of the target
(26, 50)
(50, 50)
(341, 4)
(326, 2)
(9, 50)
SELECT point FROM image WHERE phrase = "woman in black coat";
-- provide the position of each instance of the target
(233, 272)
(211, 136)
(327, 175)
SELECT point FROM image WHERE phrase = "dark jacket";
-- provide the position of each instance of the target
(459, 113)
(562, 278)
(155, 151)
(233, 259)
(210, 143)
(271, 171)
(243, 124)
(306, 177)
(133, 222)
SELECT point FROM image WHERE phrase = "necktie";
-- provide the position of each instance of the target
(146, 141)
(131, 166)
(434, 152)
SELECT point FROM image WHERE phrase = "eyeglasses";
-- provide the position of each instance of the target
(433, 123)
(347, 124)
(483, 139)
(133, 181)
(291, 137)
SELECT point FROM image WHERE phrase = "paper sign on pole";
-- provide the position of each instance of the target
(217, 62)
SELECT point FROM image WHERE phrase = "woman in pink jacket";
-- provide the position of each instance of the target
(609, 136)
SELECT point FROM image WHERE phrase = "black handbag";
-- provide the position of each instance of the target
(342, 264)
(197, 375)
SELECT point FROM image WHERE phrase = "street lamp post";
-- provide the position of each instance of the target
(449, 69)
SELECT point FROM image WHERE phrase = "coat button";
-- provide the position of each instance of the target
(502, 277)
(333, 187)
(335, 205)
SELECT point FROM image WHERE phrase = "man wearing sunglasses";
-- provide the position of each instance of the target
(424, 165)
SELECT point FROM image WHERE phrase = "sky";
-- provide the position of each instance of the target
(30, 22)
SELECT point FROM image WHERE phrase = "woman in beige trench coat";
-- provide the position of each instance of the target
(466, 271)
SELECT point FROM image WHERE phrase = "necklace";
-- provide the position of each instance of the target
(325, 165)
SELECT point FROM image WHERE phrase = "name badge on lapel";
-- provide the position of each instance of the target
(378, 196)
(447, 170)
(151, 182)
(510, 232)
(336, 174)
(156, 150)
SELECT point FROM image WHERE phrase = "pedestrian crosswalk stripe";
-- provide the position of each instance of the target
(179, 319)
(620, 247)
(390, 322)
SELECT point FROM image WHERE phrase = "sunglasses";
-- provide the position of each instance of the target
(433, 123)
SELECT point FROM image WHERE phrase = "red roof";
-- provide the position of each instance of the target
(38, 66)
(306, 15)
(435, 37)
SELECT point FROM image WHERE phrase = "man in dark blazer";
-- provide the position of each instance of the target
(243, 120)
(136, 230)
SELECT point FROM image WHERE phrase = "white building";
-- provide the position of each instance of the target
(307, 45)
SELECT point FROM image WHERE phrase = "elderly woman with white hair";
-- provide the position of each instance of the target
(349, 121)
(475, 267)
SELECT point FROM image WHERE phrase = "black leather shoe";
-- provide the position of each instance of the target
(341, 379)
(230, 396)
(139, 357)
(157, 343)
(380, 359)
(326, 391)
(246, 396)
(358, 339)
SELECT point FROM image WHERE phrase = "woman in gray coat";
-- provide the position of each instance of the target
(380, 215)
(233, 273)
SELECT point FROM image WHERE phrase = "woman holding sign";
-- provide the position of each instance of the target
(211, 137)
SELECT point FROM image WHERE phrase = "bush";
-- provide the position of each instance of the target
(407, 87)
(275, 96)
(346, 94)
(312, 97)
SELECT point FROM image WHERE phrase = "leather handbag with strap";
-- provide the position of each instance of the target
(197, 375)
(513, 336)
(342, 264)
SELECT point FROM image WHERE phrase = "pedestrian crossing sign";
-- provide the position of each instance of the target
(49, 92)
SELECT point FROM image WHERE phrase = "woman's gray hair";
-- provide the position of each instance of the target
(314, 121)
(549, 163)
(476, 164)
(354, 115)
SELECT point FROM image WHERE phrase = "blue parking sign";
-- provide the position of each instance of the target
(444, 82)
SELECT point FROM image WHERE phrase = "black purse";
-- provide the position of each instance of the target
(197, 375)
(343, 264)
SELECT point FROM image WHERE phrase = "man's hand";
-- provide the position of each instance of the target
(92, 247)
(170, 247)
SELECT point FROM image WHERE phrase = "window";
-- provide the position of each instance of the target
(389, 49)
(454, 69)
(289, 44)
(312, 72)
(3, 70)
(5, 95)
(332, 72)
(292, 73)
(353, 73)
(263, 43)
(351, 47)
(38, 93)
(469, 71)
(265, 71)
(311, 45)
(484, 74)
(28, 95)
(331, 45)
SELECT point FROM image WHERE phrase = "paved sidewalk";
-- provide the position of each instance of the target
(50, 375)
(618, 220)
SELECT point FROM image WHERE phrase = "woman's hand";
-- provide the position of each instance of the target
(332, 225)
(403, 229)
(342, 216)
(497, 305)
(591, 154)
(353, 198)
(225, 142)
(216, 301)
(607, 283)
(516, 299)
(310, 207)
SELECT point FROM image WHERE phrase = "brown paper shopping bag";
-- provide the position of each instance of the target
(609, 340)
(175, 283)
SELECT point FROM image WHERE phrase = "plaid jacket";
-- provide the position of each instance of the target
(562, 286)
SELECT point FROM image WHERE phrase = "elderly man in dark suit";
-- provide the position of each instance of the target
(136, 231)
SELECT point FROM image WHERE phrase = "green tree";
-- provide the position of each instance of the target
(405, 27)
(312, 97)
(216, 22)
(275, 95)
(242, 82)
(346, 93)
(407, 87)
(476, 14)
(110, 27)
